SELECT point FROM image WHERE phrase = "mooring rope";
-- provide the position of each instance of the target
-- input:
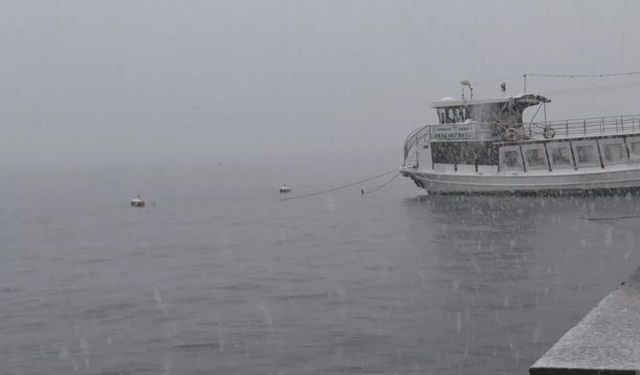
(381, 186)
(612, 217)
(341, 186)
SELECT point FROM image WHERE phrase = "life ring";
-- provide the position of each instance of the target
(511, 134)
(548, 133)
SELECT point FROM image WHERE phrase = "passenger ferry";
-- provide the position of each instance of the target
(483, 146)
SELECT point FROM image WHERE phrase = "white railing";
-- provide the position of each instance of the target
(586, 127)
(413, 138)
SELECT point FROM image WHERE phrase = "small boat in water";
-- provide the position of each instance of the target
(484, 146)
(284, 189)
(137, 202)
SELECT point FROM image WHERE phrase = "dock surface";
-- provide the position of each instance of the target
(605, 342)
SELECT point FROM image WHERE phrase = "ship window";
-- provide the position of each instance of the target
(535, 157)
(560, 155)
(613, 150)
(510, 158)
(441, 115)
(468, 113)
(613, 153)
(460, 115)
(445, 152)
(457, 114)
(450, 116)
(633, 145)
(482, 153)
(586, 154)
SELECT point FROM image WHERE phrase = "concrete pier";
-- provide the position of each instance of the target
(605, 342)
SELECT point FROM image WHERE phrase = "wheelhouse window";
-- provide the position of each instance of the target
(560, 155)
(451, 115)
(461, 114)
(458, 115)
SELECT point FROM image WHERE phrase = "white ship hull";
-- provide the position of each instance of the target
(620, 177)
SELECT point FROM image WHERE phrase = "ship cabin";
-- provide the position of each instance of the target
(469, 132)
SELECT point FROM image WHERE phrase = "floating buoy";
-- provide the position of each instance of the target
(137, 202)
(285, 189)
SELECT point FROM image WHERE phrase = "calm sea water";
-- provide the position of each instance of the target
(219, 277)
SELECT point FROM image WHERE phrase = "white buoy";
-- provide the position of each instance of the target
(137, 202)
(285, 189)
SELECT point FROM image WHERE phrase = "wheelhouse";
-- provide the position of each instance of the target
(467, 129)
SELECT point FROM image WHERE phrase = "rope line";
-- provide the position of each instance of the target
(612, 218)
(491, 80)
(339, 187)
(383, 185)
(582, 75)
(590, 88)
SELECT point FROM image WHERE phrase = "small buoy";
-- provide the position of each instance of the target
(285, 189)
(137, 202)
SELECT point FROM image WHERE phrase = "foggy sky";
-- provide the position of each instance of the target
(240, 80)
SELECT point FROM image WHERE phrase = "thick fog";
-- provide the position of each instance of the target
(95, 81)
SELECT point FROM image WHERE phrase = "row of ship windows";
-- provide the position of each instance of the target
(453, 114)
(585, 154)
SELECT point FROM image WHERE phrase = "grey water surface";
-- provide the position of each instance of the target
(219, 277)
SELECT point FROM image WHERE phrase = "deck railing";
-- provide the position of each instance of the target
(586, 127)
(413, 138)
(536, 131)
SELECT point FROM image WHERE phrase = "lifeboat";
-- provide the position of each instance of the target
(137, 202)
(284, 189)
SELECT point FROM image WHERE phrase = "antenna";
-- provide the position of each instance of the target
(466, 83)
